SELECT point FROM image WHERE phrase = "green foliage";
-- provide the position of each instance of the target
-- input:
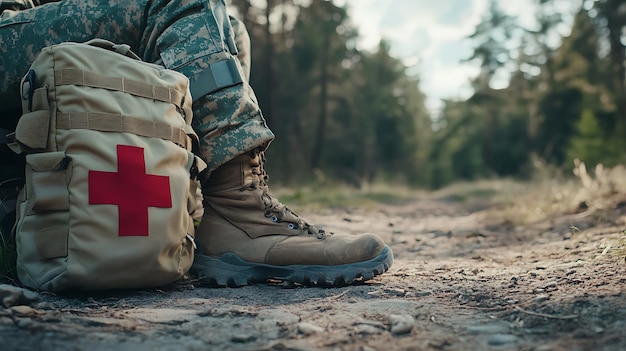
(591, 144)
(560, 109)
(572, 106)
(490, 36)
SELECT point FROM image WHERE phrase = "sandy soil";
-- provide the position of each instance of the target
(462, 280)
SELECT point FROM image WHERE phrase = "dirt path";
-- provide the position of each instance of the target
(461, 281)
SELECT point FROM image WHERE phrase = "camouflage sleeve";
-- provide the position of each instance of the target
(191, 36)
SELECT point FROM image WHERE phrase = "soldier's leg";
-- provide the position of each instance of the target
(246, 234)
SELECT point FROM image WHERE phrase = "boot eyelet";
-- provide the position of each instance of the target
(275, 219)
(292, 226)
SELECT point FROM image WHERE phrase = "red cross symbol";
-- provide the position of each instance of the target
(131, 189)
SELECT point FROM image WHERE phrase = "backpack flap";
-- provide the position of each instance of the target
(31, 133)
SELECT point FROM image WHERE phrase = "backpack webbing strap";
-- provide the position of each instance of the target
(73, 76)
(104, 122)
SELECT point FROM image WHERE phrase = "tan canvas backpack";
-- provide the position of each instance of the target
(111, 193)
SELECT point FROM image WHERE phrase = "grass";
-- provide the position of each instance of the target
(488, 190)
(7, 262)
(8, 193)
(317, 197)
(620, 249)
(550, 193)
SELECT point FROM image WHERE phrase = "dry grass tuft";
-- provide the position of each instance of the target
(7, 262)
(550, 193)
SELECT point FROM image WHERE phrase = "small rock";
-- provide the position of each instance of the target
(24, 311)
(551, 284)
(12, 295)
(24, 323)
(540, 298)
(242, 338)
(308, 328)
(5, 320)
(401, 323)
(366, 329)
(376, 324)
(395, 291)
(48, 306)
(501, 339)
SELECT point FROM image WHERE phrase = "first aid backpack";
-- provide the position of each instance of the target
(111, 191)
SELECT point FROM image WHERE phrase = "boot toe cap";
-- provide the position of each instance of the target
(334, 250)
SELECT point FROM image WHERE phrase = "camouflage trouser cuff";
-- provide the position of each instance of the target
(234, 142)
(206, 173)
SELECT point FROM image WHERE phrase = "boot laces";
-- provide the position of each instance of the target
(274, 209)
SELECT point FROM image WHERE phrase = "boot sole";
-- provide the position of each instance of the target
(231, 271)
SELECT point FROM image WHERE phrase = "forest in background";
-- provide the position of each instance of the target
(358, 117)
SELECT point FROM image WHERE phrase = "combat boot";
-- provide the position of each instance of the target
(246, 235)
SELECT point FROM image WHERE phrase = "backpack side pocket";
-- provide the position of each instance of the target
(43, 219)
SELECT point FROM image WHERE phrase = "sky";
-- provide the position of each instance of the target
(429, 36)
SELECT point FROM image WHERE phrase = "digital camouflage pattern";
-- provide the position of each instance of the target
(183, 35)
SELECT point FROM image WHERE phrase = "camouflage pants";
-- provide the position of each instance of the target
(184, 35)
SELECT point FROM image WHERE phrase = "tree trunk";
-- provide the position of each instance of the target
(269, 71)
(318, 149)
